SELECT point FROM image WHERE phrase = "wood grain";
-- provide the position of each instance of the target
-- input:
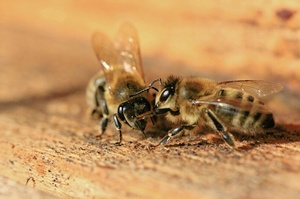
(11, 189)
(48, 137)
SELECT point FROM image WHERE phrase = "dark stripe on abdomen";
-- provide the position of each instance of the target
(244, 116)
(239, 95)
(268, 121)
(250, 98)
(222, 92)
(256, 117)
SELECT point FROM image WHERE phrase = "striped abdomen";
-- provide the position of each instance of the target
(242, 110)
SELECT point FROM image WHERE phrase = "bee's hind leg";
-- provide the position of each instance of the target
(216, 124)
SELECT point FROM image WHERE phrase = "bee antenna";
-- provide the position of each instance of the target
(148, 88)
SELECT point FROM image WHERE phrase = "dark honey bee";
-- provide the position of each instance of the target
(224, 106)
(112, 93)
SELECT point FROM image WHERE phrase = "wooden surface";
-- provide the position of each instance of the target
(48, 142)
(11, 189)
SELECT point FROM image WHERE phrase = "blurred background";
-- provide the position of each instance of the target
(45, 46)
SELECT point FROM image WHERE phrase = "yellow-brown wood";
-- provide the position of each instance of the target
(48, 141)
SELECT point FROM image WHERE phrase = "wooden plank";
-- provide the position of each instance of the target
(59, 150)
(11, 189)
(47, 134)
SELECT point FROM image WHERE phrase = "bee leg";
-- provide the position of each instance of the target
(102, 108)
(144, 134)
(96, 113)
(217, 125)
(104, 123)
(105, 116)
(174, 132)
(153, 119)
(118, 126)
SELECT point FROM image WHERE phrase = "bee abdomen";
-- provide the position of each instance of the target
(245, 119)
(249, 124)
(243, 111)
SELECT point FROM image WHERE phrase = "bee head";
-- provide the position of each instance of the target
(166, 98)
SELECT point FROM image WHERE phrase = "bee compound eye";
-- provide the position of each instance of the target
(165, 95)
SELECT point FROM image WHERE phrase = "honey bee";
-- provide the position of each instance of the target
(223, 106)
(112, 93)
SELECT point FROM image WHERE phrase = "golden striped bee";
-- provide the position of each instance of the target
(112, 93)
(223, 106)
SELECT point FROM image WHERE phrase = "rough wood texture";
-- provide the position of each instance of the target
(49, 142)
(11, 189)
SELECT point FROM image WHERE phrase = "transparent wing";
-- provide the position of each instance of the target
(127, 46)
(106, 54)
(257, 88)
(120, 55)
(233, 103)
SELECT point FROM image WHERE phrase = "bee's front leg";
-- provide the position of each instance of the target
(118, 126)
(173, 132)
